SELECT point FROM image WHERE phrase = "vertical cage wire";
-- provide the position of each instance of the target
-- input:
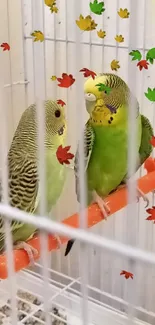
(102, 225)
(5, 199)
(55, 95)
(83, 267)
(40, 95)
(67, 96)
(24, 52)
(150, 298)
(4, 178)
(147, 279)
(132, 155)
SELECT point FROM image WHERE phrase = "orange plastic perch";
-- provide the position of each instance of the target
(116, 201)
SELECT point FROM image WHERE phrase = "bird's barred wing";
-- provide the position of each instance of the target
(23, 189)
(89, 137)
(145, 149)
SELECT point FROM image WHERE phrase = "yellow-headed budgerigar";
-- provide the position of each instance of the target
(22, 160)
(106, 139)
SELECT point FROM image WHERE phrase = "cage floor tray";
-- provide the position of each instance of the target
(63, 306)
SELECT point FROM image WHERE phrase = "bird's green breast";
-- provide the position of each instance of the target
(55, 178)
(108, 162)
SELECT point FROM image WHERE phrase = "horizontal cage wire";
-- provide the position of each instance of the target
(109, 274)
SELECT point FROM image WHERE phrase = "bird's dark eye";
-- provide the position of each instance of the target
(57, 113)
(105, 92)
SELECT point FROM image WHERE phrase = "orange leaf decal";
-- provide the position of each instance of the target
(63, 155)
(143, 64)
(126, 274)
(149, 165)
(5, 46)
(66, 81)
(88, 73)
(153, 141)
(151, 212)
(61, 102)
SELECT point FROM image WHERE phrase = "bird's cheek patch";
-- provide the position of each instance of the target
(61, 130)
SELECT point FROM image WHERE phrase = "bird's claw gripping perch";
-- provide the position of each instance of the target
(58, 240)
(139, 192)
(31, 251)
(102, 205)
(144, 197)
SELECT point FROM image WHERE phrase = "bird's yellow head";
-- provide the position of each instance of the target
(107, 97)
(55, 122)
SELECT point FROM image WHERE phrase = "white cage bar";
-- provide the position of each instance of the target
(66, 283)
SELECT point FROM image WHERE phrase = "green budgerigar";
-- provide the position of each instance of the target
(24, 183)
(106, 139)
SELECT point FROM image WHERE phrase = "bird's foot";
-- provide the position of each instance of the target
(141, 194)
(58, 240)
(102, 205)
(31, 251)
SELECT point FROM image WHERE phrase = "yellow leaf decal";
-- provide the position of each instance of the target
(38, 36)
(123, 13)
(49, 3)
(52, 5)
(115, 65)
(53, 78)
(54, 9)
(101, 33)
(86, 24)
(119, 38)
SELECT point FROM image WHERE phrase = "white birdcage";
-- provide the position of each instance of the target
(86, 286)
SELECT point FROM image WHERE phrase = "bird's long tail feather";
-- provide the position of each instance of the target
(69, 246)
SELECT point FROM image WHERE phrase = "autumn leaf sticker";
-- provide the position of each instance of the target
(143, 64)
(150, 94)
(153, 141)
(38, 36)
(63, 155)
(102, 87)
(136, 55)
(86, 24)
(97, 7)
(123, 13)
(119, 38)
(151, 213)
(66, 81)
(88, 73)
(149, 165)
(52, 5)
(49, 3)
(53, 78)
(127, 274)
(61, 102)
(54, 9)
(5, 46)
(150, 56)
(101, 33)
(115, 65)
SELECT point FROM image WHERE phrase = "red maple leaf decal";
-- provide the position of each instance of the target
(88, 73)
(126, 274)
(149, 164)
(143, 64)
(61, 102)
(153, 141)
(5, 46)
(63, 155)
(66, 81)
(151, 212)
